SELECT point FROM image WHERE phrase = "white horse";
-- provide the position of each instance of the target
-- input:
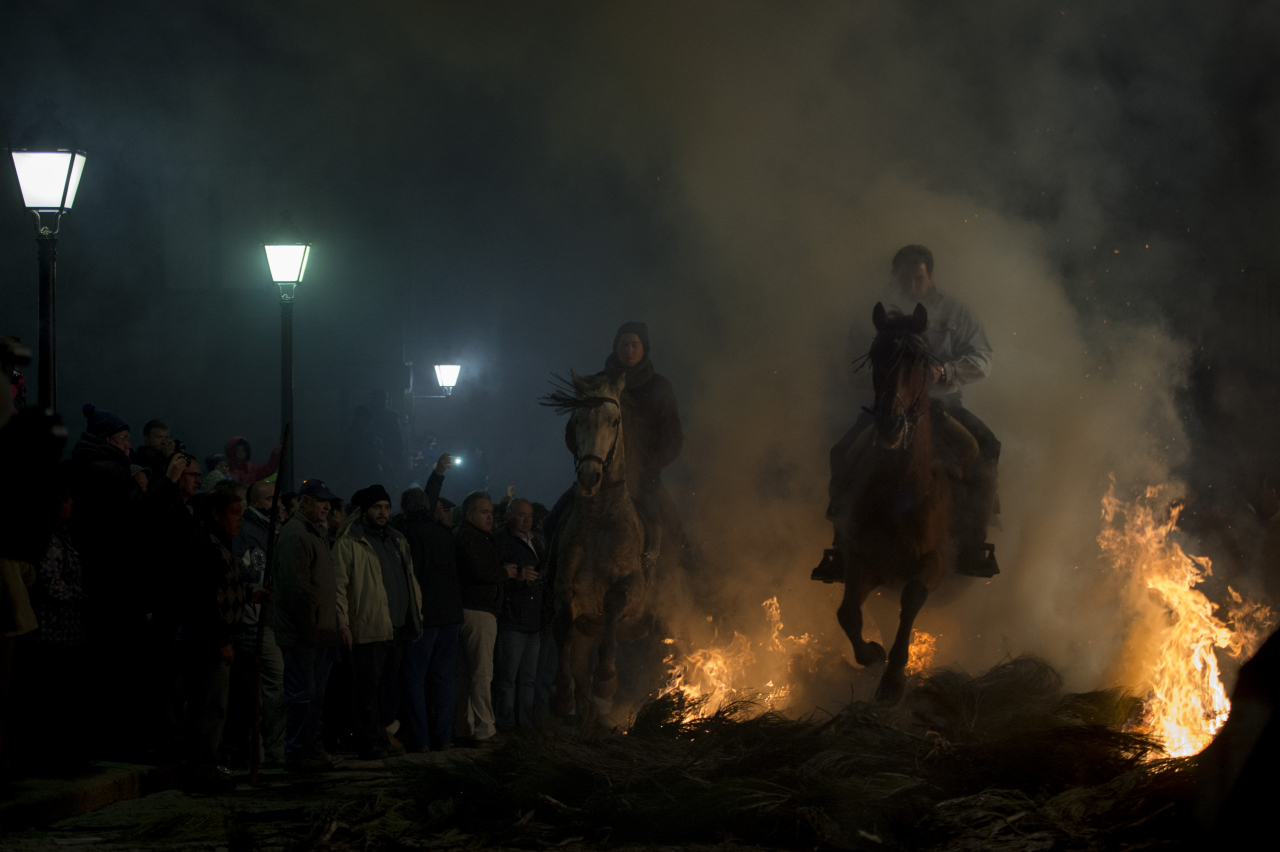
(600, 584)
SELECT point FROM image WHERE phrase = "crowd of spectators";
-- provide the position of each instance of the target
(153, 610)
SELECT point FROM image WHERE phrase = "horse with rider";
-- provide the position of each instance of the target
(913, 483)
(617, 520)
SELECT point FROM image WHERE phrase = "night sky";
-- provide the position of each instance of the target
(501, 185)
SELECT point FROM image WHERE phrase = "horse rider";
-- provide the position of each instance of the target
(652, 439)
(962, 355)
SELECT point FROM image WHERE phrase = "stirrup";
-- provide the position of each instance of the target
(829, 570)
(979, 561)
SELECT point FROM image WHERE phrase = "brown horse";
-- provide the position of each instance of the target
(601, 587)
(894, 527)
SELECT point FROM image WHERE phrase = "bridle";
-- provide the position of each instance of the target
(613, 448)
(912, 413)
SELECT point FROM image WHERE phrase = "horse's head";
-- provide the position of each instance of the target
(900, 374)
(595, 410)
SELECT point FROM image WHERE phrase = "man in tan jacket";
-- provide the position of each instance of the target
(379, 613)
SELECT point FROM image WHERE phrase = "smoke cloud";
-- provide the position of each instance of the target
(502, 186)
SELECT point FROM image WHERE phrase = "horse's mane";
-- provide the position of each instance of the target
(564, 398)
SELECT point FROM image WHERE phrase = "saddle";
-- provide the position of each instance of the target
(954, 450)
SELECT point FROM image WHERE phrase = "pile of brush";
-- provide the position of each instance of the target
(1003, 760)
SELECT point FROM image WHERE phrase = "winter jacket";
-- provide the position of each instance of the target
(166, 534)
(213, 596)
(436, 566)
(58, 594)
(249, 547)
(650, 423)
(104, 494)
(304, 602)
(480, 571)
(521, 600)
(246, 472)
(362, 597)
(16, 615)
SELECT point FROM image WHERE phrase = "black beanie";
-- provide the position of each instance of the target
(366, 497)
(102, 424)
(639, 329)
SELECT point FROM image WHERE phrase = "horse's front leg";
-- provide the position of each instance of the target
(580, 659)
(857, 585)
(605, 679)
(894, 681)
(562, 703)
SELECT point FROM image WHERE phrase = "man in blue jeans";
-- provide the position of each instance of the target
(431, 662)
(305, 617)
(519, 621)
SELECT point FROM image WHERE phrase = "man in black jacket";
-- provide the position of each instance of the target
(104, 493)
(213, 601)
(481, 575)
(519, 621)
(431, 663)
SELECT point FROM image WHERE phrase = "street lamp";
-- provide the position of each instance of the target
(447, 377)
(288, 262)
(48, 175)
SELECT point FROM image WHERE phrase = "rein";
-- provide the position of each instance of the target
(613, 448)
(911, 413)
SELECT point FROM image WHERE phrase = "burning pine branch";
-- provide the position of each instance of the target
(1187, 702)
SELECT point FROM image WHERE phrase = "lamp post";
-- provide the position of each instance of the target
(48, 176)
(288, 262)
(447, 377)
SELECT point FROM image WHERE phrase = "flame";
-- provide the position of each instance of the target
(1187, 702)
(708, 677)
(920, 654)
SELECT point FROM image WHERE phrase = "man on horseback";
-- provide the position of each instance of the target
(653, 437)
(961, 355)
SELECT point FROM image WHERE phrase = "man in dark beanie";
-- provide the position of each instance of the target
(653, 435)
(379, 614)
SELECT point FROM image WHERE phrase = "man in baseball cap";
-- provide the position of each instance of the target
(305, 620)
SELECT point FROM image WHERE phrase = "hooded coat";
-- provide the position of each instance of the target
(361, 594)
(246, 472)
(650, 423)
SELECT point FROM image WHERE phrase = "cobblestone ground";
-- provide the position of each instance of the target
(283, 812)
(352, 808)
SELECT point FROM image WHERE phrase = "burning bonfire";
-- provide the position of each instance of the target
(1186, 700)
(709, 678)
(1176, 637)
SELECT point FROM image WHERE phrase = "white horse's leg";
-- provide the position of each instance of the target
(606, 674)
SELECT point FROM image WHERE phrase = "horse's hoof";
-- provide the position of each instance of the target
(892, 686)
(871, 654)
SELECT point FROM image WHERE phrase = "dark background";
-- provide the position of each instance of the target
(416, 145)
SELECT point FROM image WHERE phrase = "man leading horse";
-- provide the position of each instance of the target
(961, 355)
